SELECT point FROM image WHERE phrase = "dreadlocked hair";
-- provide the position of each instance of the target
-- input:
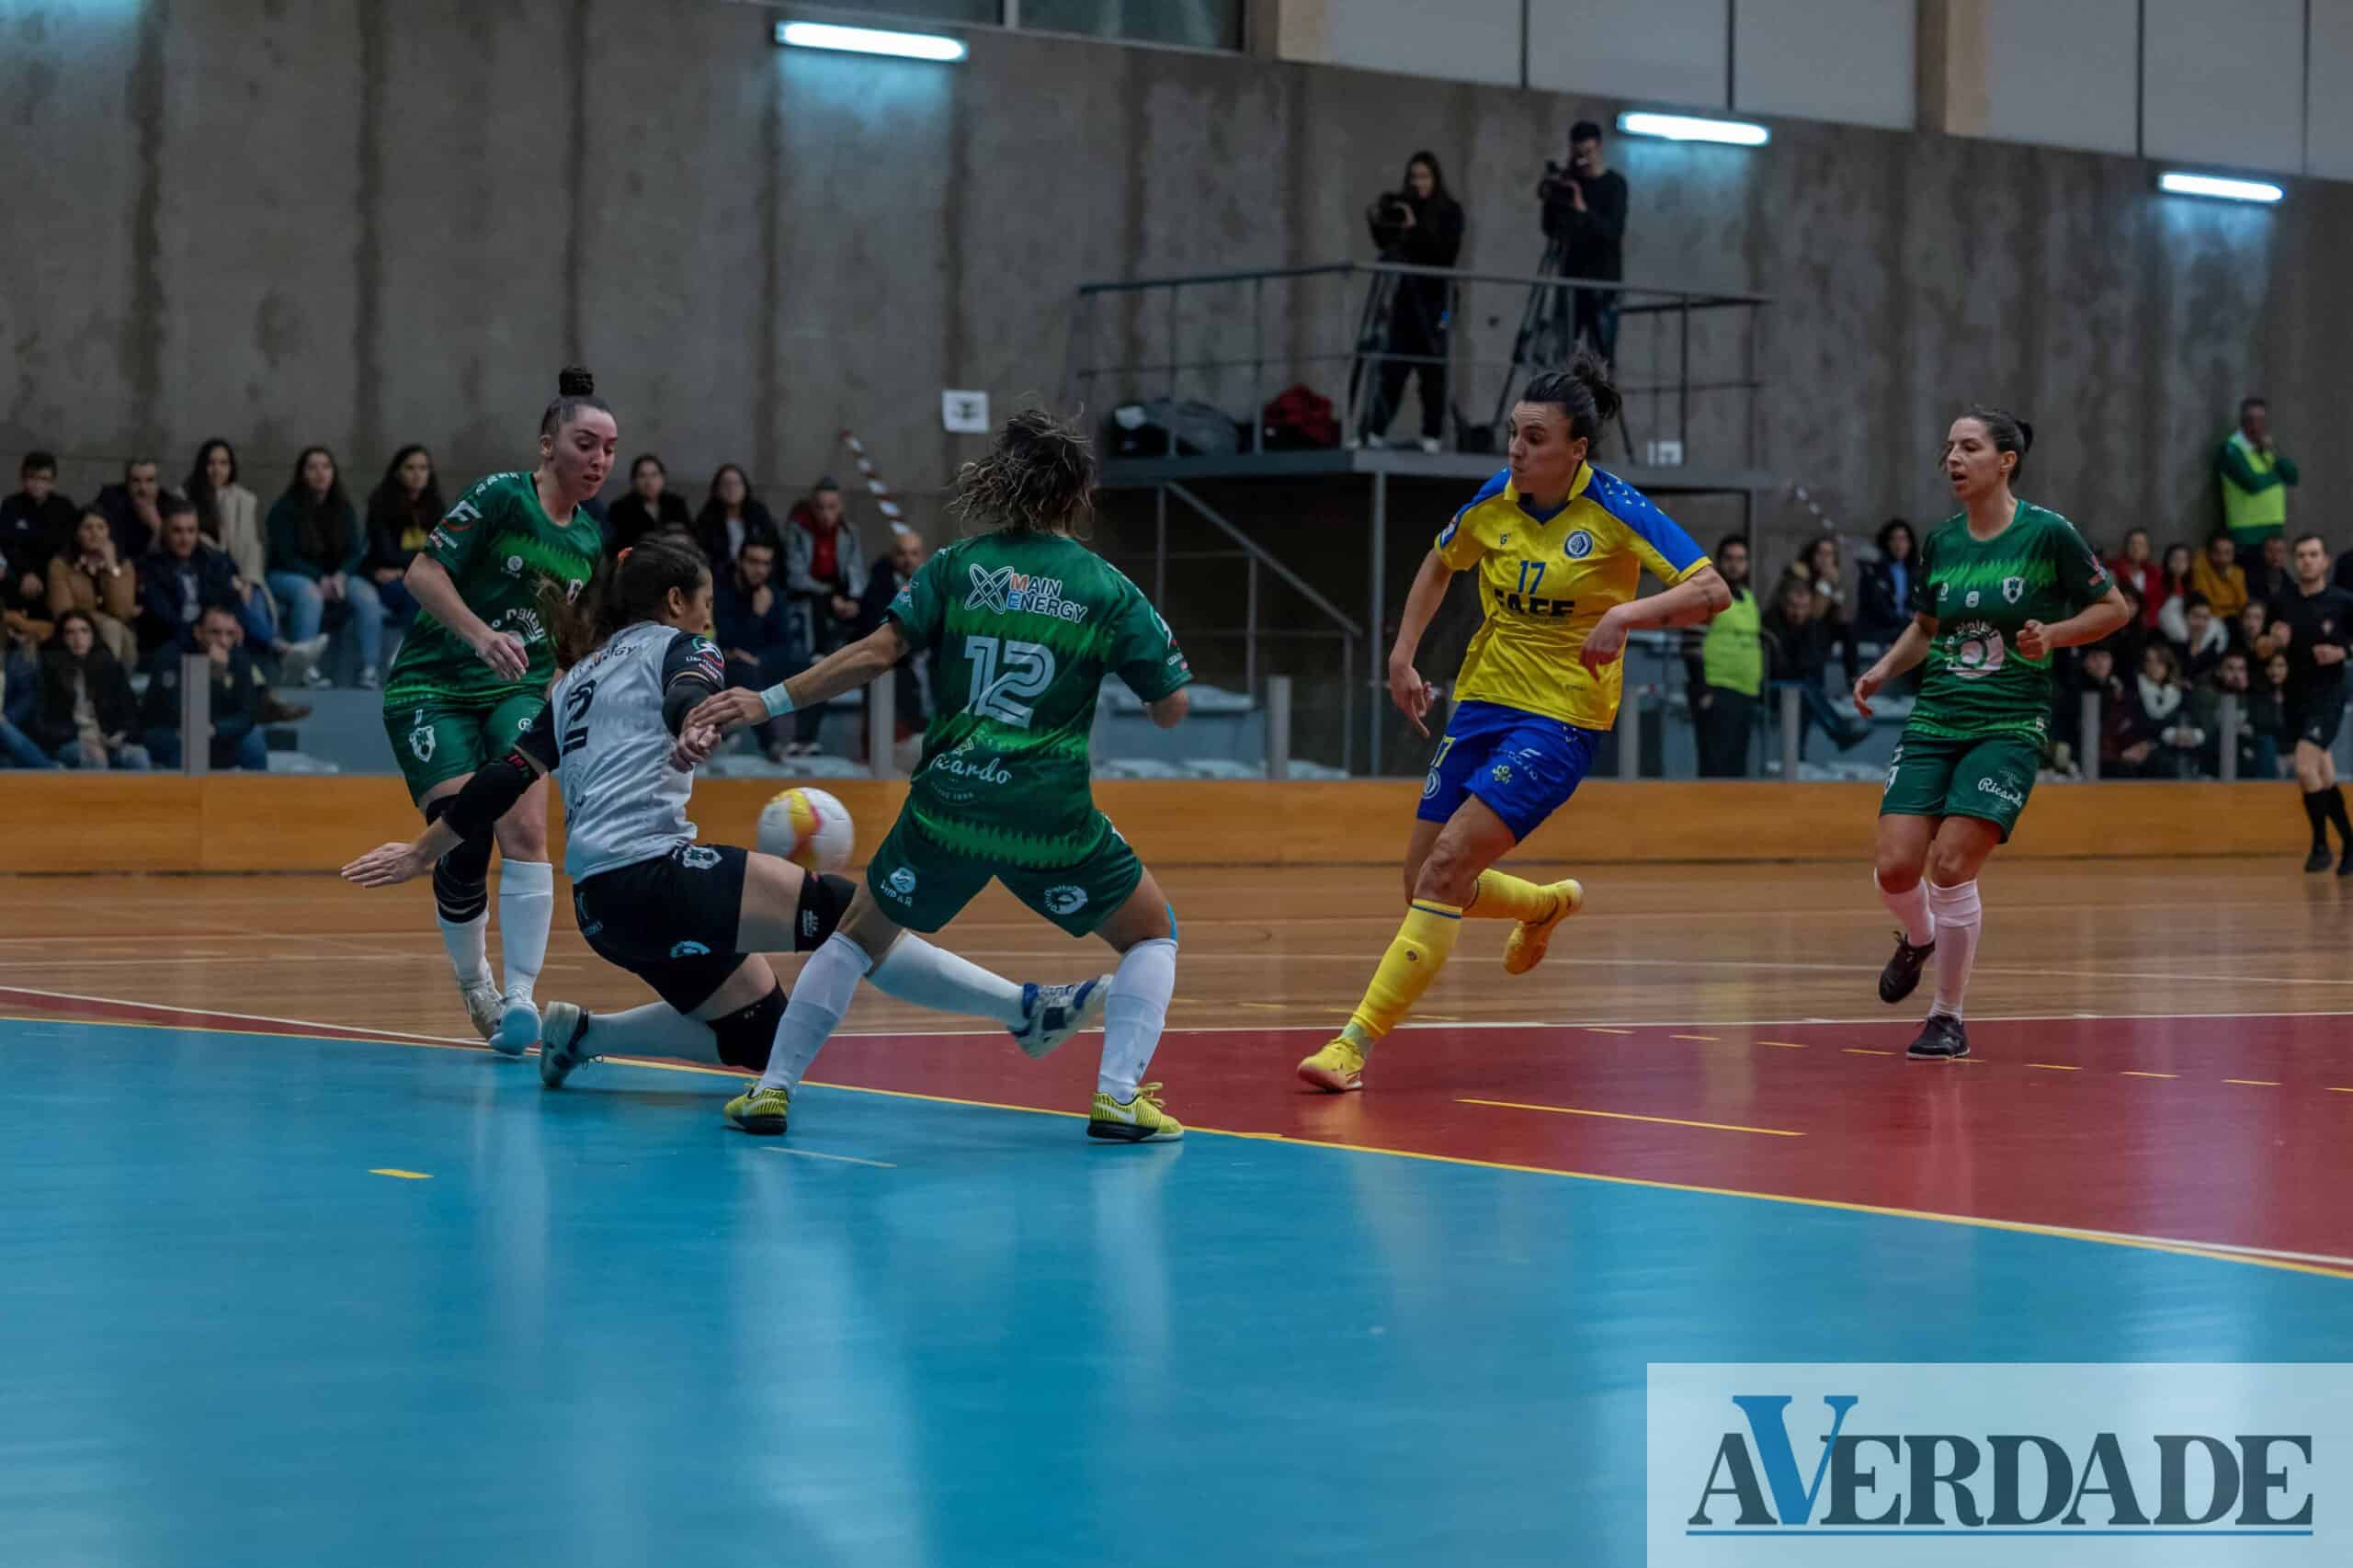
(625, 589)
(1038, 478)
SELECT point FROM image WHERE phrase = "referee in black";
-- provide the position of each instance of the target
(2313, 622)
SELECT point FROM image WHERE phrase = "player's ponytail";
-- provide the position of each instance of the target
(1038, 478)
(1583, 393)
(2008, 432)
(576, 388)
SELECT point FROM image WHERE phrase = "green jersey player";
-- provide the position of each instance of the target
(1023, 624)
(1998, 587)
(472, 673)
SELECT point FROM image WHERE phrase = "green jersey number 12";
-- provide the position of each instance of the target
(1028, 670)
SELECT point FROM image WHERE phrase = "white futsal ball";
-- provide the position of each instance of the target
(808, 828)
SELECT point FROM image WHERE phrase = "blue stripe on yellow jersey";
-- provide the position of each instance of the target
(1545, 582)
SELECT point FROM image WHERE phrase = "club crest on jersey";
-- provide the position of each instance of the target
(1067, 899)
(1006, 592)
(1578, 545)
(688, 949)
(2013, 589)
(422, 740)
(695, 857)
(901, 885)
(1976, 651)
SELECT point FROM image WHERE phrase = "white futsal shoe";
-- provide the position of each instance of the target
(518, 1027)
(563, 1035)
(484, 1007)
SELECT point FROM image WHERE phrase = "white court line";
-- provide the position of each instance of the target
(817, 1154)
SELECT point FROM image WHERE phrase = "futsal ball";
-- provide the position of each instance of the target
(808, 828)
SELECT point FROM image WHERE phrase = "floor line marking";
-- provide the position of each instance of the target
(403, 1176)
(2319, 1264)
(1604, 1028)
(1865, 1050)
(1708, 1039)
(1629, 1116)
(1784, 1044)
(2254, 1083)
(2052, 1067)
(2130, 1073)
(2334, 1089)
(821, 1154)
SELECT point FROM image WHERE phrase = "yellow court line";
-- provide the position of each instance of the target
(2328, 1269)
(2254, 1083)
(1707, 1038)
(2052, 1067)
(2128, 1073)
(1629, 1116)
(404, 1175)
(1596, 1028)
(1865, 1050)
(2334, 1089)
(1784, 1044)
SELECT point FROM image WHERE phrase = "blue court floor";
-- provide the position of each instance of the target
(606, 1329)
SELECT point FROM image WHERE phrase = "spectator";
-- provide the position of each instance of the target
(2258, 754)
(19, 697)
(649, 507)
(1584, 216)
(315, 548)
(912, 707)
(130, 507)
(823, 569)
(1797, 643)
(35, 524)
(86, 709)
(2251, 634)
(2269, 575)
(1724, 663)
(1823, 572)
(1884, 608)
(2160, 693)
(401, 510)
(229, 515)
(2172, 584)
(1421, 225)
(2126, 641)
(2267, 718)
(2218, 575)
(2119, 716)
(2255, 477)
(237, 693)
(2203, 640)
(180, 579)
(2137, 569)
(752, 628)
(90, 579)
(732, 515)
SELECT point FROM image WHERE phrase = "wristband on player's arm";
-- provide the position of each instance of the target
(777, 700)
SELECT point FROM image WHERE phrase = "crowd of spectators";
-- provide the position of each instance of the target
(286, 592)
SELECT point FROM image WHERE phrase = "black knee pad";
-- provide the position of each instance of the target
(749, 1034)
(823, 899)
(461, 878)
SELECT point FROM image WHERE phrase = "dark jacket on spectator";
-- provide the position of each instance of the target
(711, 532)
(396, 528)
(109, 688)
(29, 535)
(131, 535)
(237, 694)
(312, 548)
(629, 521)
(168, 617)
(882, 586)
(1882, 610)
(1800, 653)
(766, 634)
(1434, 240)
(1596, 236)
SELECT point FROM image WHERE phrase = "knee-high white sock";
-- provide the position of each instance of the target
(820, 998)
(654, 1029)
(1135, 1014)
(1910, 908)
(1959, 916)
(932, 977)
(468, 941)
(525, 905)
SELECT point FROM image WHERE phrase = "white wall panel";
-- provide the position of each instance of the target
(1848, 60)
(2328, 129)
(2060, 73)
(1462, 40)
(1661, 52)
(2225, 83)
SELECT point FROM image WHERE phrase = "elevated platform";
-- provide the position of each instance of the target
(1142, 472)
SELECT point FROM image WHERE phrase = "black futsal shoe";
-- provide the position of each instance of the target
(1901, 975)
(1942, 1038)
(2345, 866)
(2319, 858)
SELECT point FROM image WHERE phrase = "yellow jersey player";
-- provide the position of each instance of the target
(1559, 547)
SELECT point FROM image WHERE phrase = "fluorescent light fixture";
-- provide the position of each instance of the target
(1692, 128)
(2173, 182)
(871, 40)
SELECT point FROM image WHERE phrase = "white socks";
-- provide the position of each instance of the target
(820, 998)
(1134, 1014)
(656, 1029)
(468, 941)
(525, 905)
(1959, 916)
(1911, 910)
(932, 977)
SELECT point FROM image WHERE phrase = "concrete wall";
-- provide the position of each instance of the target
(367, 221)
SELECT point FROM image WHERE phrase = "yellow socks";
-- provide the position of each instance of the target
(1502, 897)
(1416, 955)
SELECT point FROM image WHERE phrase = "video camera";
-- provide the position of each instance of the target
(1390, 215)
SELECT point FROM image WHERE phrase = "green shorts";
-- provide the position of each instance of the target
(1988, 776)
(922, 884)
(440, 738)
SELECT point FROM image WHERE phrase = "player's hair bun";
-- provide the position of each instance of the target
(2025, 437)
(573, 381)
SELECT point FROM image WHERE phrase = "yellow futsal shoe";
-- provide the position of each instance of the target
(1139, 1121)
(760, 1110)
(1524, 948)
(1339, 1068)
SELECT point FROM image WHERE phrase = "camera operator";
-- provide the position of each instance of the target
(1584, 216)
(1421, 225)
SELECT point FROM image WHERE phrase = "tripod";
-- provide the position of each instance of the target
(1372, 341)
(1547, 335)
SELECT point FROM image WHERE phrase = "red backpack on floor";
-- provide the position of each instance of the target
(1298, 416)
